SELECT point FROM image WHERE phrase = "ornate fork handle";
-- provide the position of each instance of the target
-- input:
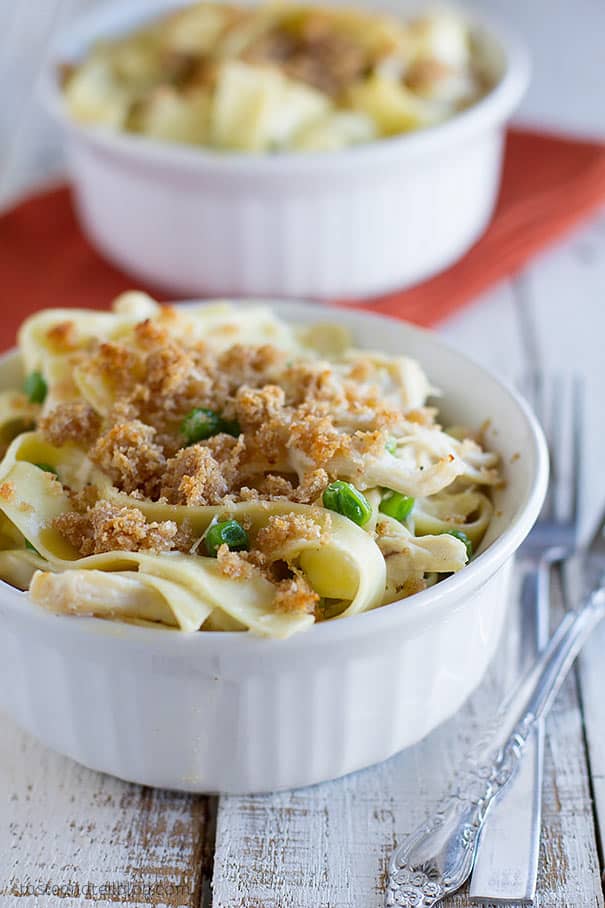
(437, 858)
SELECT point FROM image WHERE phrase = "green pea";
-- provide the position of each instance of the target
(396, 505)
(345, 499)
(458, 534)
(47, 468)
(229, 533)
(391, 445)
(200, 424)
(35, 388)
(230, 427)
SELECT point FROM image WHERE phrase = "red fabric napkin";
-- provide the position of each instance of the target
(550, 183)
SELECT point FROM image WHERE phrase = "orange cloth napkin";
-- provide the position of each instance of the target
(550, 183)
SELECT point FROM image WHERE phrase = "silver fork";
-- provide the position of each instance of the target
(506, 866)
(437, 858)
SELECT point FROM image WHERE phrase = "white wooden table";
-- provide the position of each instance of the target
(69, 836)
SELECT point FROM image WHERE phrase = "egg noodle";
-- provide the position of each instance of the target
(279, 76)
(212, 467)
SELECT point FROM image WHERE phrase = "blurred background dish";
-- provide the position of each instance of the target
(352, 223)
(280, 77)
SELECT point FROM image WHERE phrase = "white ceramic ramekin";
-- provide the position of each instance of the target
(339, 224)
(230, 712)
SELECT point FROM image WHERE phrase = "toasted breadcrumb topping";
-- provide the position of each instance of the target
(286, 425)
(129, 455)
(193, 477)
(236, 565)
(7, 491)
(289, 412)
(295, 595)
(280, 531)
(73, 422)
(105, 527)
(63, 336)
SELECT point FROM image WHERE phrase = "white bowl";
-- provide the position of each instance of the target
(351, 223)
(230, 712)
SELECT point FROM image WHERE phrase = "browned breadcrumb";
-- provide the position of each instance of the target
(300, 417)
(228, 452)
(424, 73)
(83, 498)
(249, 365)
(255, 406)
(150, 335)
(106, 527)
(295, 595)
(369, 442)
(312, 486)
(117, 365)
(26, 507)
(62, 336)
(274, 487)
(274, 539)
(315, 435)
(128, 454)
(7, 491)
(235, 565)
(167, 369)
(193, 477)
(74, 422)
(309, 380)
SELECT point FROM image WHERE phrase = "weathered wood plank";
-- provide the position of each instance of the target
(69, 835)
(566, 799)
(566, 296)
(560, 300)
(63, 829)
(328, 846)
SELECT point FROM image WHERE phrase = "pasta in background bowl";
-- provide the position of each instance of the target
(280, 499)
(280, 77)
(199, 217)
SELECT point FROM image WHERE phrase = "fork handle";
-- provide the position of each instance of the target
(453, 833)
(506, 867)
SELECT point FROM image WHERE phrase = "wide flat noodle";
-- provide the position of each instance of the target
(353, 568)
(347, 564)
(16, 415)
(469, 511)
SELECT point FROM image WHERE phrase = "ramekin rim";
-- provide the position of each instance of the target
(493, 108)
(429, 604)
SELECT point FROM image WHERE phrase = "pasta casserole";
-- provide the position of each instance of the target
(215, 468)
(279, 76)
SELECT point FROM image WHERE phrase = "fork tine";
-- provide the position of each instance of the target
(558, 405)
(556, 429)
(540, 408)
(576, 451)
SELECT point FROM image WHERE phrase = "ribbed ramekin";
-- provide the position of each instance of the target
(350, 223)
(229, 712)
